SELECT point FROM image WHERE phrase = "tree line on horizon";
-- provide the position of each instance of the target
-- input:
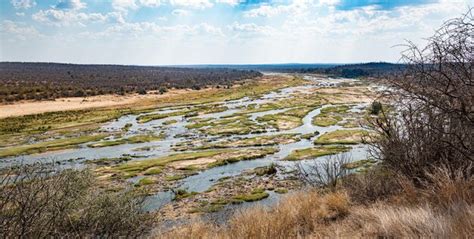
(48, 81)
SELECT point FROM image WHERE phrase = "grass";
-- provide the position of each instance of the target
(248, 142)
(145, 181)
(182, 193)
(314, 152)
(330, 115)
(236, 125)
(309, 135)
(170, 122)
(245, 155)
(324, 121)
(281, 121)
(312, 214)
(153, 171)
(281, 190)
(136, 139)
(342, 137)
(109, 161)
(256, 195)
(156, 116)
(295, 216)
(55, 144)
(143, 165)
(174, 177)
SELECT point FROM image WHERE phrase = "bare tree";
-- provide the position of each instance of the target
(433, 123)
(323, 173)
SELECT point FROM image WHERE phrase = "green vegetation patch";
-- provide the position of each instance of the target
(256, 195)
(156, 116)
(182, 193)
(314, 152)
(174, 177)
(170, 122)
(153, 171)
(281, 190)
(342, 137)
(136, 139)
(145, 181)
(142, 165)
(55, 144)
(330, 115)
(246, 154)
(109, 161)
(289, 119)
(237, 125)
(267, 140)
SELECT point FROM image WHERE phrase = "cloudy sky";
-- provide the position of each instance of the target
(161, 32)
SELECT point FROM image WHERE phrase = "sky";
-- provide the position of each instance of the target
(170, 32)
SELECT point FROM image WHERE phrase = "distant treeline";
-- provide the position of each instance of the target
(372, 69)
(41, 81)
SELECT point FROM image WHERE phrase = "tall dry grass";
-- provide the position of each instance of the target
(297, 215)
(442, 208)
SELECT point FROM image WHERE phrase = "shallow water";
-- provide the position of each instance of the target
(178, 132)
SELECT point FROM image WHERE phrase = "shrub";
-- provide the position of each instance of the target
(37, 202)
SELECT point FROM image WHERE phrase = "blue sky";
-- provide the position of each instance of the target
(161, 32)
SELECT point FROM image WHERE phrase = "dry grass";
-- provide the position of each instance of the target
(388, 221)
(441, 209)
(295, 216)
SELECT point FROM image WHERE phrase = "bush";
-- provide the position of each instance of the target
(375, 184)
(375, 108)
(36, 202)
(326, 173)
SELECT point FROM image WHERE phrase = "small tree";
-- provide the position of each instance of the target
(323, 173)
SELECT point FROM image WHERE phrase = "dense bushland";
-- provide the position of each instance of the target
(43, 81)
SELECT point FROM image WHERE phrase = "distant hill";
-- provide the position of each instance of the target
(20, 81)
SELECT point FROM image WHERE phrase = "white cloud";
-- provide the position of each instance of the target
(180, 12)
(70, 4)
(329, 2)
(20, 14)
(251, 28)
(124, 5)
(150, 3)
(142, 30)
(23, 4)
(230, 2)
(17, 30)
(192, 3)
(265, 10)
(64, 18)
